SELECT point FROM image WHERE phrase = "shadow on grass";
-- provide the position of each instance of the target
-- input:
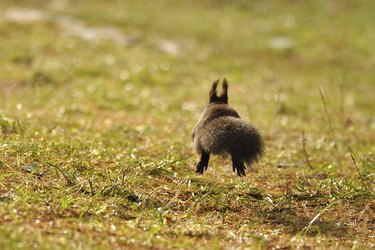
(295, 223)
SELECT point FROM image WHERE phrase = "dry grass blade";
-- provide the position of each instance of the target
(307, 228)
(304, 150)
(327, 115)
(359, 173)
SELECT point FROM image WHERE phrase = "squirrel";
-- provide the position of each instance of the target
(220, 130)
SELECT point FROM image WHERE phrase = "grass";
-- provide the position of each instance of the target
(98, 100)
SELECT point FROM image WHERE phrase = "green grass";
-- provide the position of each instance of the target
(95, 133)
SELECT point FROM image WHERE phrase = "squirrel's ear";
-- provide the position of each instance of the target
(224, 93)
(213, 89)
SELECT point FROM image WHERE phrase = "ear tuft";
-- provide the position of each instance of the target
(213, 93)
(224, 93)
(225, 84)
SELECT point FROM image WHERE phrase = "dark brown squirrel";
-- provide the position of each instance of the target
(220, 130)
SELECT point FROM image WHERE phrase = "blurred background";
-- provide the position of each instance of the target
(141, 64)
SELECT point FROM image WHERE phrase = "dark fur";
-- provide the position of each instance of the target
(221, 130)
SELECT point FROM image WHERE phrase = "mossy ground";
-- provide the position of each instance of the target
(98, 99)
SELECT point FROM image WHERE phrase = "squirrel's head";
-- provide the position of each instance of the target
(223, 98)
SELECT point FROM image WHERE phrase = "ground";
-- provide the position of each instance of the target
(98, 100)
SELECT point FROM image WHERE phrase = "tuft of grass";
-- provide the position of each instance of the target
(10, 126)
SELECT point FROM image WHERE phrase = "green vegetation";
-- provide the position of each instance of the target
(98, 99)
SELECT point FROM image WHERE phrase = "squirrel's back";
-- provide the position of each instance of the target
(229, 134)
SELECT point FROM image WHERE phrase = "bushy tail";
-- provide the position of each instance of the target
(253, 147)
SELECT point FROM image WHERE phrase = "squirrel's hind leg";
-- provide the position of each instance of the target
(203, 163)
(239, 165)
